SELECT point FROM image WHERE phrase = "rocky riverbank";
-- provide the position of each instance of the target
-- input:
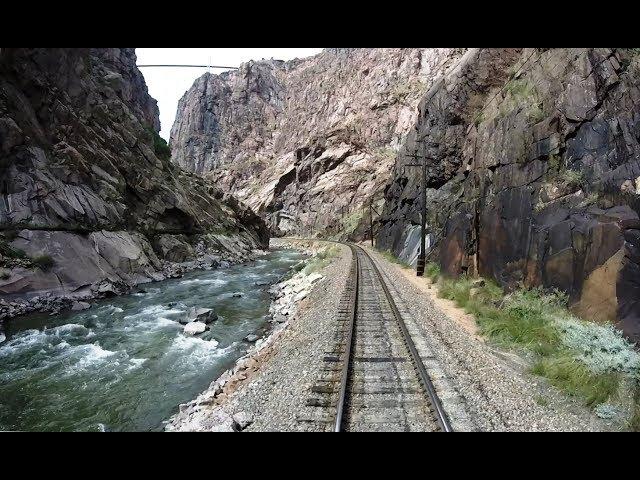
(207, 412)
(90, 203)
(54, 304)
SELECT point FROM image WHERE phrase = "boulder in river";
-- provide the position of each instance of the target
(194, 328)
(79, 306)
(238, 295)
(251, 338)
(206, 315)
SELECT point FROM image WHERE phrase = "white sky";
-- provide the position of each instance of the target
(167, 85)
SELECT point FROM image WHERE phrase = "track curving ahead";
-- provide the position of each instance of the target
(383, 383)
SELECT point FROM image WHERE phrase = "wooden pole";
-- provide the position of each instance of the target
(371, 219)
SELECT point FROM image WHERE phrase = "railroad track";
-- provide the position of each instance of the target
(374, 379)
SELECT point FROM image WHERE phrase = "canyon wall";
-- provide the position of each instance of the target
(307, 143)
(89, 199)
(533, 175)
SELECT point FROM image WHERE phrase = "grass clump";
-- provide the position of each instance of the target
(585, 360)
(393, 259)
(7, 250)
(43, 262)
(522, 95)
(572, 178)
(432, 271)
(575, 378)
(321, 260)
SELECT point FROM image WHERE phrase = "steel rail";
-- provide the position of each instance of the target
(353, 313)
(441, 416)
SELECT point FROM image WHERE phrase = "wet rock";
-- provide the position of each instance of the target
(279, 318)
(194, 328)
(237, 295)
(2, 338)
(79, 306)
(251, 338)
(205, 315)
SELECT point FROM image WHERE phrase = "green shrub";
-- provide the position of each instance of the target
(7, 250)
(321, 259)
(577, 380)
(584, 359)
(160, 146)
(43, 262)
(432, 270)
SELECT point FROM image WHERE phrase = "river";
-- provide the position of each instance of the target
(125, 365)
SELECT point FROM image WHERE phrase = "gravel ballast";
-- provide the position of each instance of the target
(482, 387)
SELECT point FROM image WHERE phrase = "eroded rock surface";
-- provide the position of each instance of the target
(307, 143)
(89, 200)
(533, 161)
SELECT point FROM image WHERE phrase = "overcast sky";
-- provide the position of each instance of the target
(167, 85)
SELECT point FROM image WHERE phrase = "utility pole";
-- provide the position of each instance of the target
(423, 220)
(371, 219)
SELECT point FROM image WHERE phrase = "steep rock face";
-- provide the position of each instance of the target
(84, 178)
(306, 143)
(533, 174)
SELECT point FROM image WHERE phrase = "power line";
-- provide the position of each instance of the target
(189, 66)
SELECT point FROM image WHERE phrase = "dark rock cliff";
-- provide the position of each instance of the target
(87, 190)
(533, 175)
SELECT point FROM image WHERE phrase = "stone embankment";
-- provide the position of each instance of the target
(205, 413)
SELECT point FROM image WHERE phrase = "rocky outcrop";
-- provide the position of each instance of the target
(88, 194)
(533, 164)
(307, 143)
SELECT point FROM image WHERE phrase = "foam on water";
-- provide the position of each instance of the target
(209, 281)
(126, 364)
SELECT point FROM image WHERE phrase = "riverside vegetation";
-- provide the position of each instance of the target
(591, 362)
